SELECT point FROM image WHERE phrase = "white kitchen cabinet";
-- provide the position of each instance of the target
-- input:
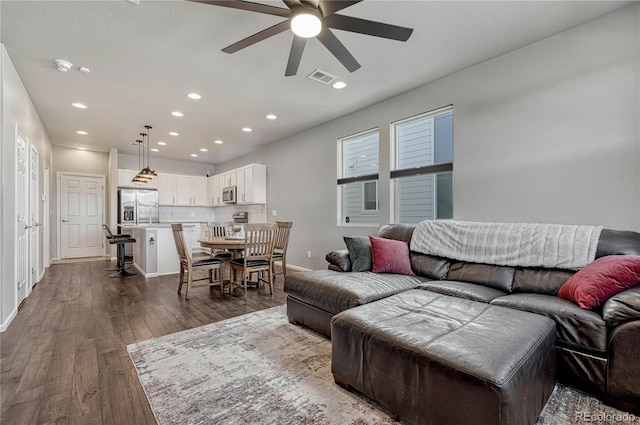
(251, 182)
(166, 189)
(228, 178)
(125, 177)
(181, 190)
(215, 199)
(199, 191)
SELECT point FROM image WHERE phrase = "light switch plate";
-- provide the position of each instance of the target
(274, 213)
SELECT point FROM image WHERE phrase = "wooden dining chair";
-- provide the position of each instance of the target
(280, 244)
(188, 263)
(218, 231)
(258, 249)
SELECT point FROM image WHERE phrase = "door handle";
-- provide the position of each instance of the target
(28, 227)
(37, 224)
(65, 221)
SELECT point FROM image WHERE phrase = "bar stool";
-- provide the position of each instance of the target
(110, 237)
(120, 241)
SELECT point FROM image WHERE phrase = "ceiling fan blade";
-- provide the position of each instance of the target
(297, 47)
(363, 26)
(262, 35)
(291, 4)
(338, 50)
(329, 7)
(246, 5)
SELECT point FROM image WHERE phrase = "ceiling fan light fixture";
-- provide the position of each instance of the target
(306, 24)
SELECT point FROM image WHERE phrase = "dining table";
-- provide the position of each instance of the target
(235, 245)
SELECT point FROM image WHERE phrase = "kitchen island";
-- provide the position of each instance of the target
(154, 253)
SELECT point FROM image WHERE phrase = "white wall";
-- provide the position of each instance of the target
(168, 166)
(547, 133)
(17, 109)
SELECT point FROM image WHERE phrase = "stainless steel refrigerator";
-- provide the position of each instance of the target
(137, 206)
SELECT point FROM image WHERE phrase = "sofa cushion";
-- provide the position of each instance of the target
(539, 281)
(622, 307)
(399, 232)
(335, 291)
(390, 256)
(497, 277)
(576, 327)
(466, 290)
(359, 253)
(339, 260)
(591, 286)
(618, 242)
(429, 266)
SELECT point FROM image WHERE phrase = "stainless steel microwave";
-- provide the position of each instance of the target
(229, 195)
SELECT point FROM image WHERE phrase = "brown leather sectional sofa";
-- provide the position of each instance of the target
(596, 350)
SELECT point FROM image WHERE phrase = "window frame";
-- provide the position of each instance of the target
(365, 178)
(395, 173)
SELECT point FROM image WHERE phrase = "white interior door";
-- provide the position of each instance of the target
(34, 217)
(81, 216)
(22, 242)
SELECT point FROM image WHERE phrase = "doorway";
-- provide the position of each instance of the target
(22, 205)
(80, 215)
(34, 217)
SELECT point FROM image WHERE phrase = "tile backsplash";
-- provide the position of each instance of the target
(168, 214)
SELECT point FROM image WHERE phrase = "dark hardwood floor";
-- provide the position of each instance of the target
(63, 358)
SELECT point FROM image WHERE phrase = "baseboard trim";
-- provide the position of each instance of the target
(6, 323)
(298, 268)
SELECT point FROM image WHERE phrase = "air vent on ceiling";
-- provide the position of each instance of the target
(321, 76)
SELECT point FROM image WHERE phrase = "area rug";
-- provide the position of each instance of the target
(260, 369)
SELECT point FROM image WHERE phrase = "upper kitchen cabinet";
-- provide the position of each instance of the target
(228, 179)
(182, 190)
(215, 190)
(251, 182)
(125, 177)
(166, 189)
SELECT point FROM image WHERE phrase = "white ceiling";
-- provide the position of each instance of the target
(145, 58)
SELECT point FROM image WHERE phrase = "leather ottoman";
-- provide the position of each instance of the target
(436, 359)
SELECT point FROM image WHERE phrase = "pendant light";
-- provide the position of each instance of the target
(147, 171)
(138, 178)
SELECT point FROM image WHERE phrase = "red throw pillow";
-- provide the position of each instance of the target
(390, 256)
(591, 286)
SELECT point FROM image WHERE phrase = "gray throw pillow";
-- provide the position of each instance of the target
(360, 253)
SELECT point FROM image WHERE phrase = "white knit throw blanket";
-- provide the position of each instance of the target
(509, 244)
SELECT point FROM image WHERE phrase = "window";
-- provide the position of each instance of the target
(422, 167)
(370, 196)
(358, 179)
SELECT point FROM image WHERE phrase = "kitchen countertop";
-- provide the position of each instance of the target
(154, 225)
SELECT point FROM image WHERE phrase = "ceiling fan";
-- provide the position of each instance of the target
(307, 19)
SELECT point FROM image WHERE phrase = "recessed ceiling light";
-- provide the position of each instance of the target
(84, 69)
(272, 117)
(84, 133)
(155, 150)
(218, 142)
(162, 143)
(177, 114)
(194, 155)
(339, 85)
(79, 105)
(82, 149)
(204, 150)
(247, 129)
(173, 133)
(194, 96)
